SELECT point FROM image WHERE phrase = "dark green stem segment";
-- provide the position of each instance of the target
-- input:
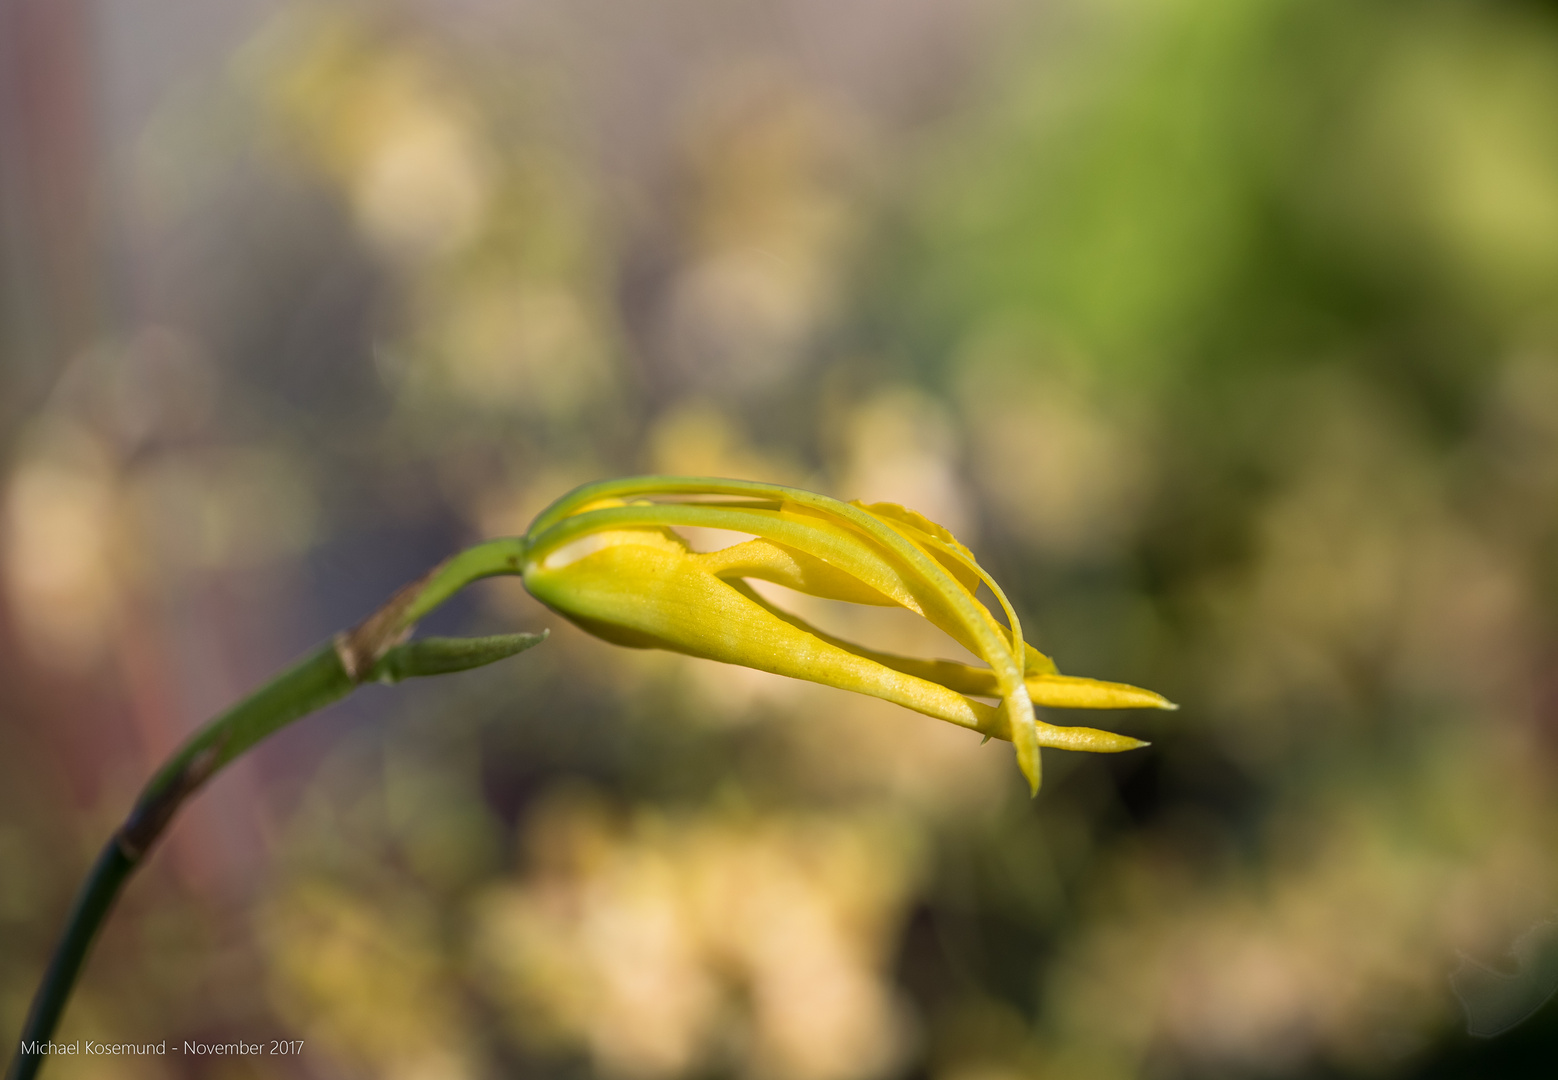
(373, 651)
(113, 866)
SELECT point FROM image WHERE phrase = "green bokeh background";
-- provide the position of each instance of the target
(1227, 337)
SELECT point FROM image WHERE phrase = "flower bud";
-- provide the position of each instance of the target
(607, 558)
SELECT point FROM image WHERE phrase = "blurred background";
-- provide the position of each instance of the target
(1225, 335)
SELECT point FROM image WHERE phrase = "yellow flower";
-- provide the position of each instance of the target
(606, 557)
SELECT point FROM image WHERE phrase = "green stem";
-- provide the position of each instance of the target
(374, 650)
(113, 866)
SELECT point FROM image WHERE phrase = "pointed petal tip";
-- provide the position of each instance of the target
(1167, 705)
(1033, 773)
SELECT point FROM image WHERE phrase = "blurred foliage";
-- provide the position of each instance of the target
(1226, 336)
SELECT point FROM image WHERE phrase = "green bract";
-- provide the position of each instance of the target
(605, 557)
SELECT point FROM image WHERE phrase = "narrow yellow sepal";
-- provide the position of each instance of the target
(1086, 738)
(1069, 692)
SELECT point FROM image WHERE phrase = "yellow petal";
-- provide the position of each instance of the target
(794, 569)
(938, 542)
(1067, 692)
(1038, 664)
(829, 542)
(1086, 738)
(653, 596)
(962, 678)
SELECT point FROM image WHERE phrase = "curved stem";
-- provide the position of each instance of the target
(97, 896)
(373, 650)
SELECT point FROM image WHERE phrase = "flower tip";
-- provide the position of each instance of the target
(1032, 772)
(1030, 766)
(1167, 705)
(1026, 742)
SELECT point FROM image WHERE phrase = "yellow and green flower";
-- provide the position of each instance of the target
(608, 558)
